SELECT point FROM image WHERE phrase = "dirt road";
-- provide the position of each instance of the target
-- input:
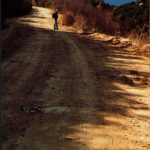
(64, 91)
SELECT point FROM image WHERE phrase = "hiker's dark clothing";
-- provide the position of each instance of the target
(55, 17)
(56, 24)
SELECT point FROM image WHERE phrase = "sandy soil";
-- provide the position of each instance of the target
(66, 91)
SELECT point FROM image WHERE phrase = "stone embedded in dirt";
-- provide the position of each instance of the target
(115, 41)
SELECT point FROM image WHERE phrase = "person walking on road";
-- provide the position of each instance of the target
(55, 17)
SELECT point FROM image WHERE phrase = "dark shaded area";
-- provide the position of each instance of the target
(45, 3)
(16, 40)
(12, 8)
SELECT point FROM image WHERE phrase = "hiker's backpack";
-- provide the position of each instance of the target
(55, 15)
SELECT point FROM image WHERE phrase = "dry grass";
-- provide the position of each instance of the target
(141, 43)
(83, 16)
(142, 38)
(81, 23)
(68, 18)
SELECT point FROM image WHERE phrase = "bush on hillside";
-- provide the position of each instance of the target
(88, 17)
(81, 24)
(68, 18)
(133, 16)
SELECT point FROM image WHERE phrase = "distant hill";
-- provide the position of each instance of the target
(133, 16)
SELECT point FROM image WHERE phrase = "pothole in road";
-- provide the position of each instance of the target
(44, 109)
(55, 109)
